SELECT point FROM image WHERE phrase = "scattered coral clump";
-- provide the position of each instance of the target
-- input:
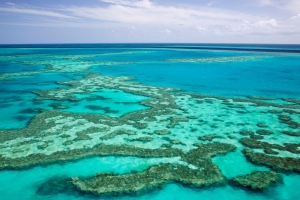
(257, 180)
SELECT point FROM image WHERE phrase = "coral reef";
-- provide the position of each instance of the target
(279, 163)
(288, 120)
(291, 133)
(56, 185)
(173, 124)
(150, 179)
(209, 137)
(219, 59)
(252, 143)
(257, 180)
(199, 172)
(264, 132)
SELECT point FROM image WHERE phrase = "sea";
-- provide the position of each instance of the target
(66, 98)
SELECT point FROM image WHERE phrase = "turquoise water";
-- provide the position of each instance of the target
(15, 67)
(259, 70)
(113, 103)
(25, 183)
(20, 105)
(18, 102)
(270, 77)
(235, 164)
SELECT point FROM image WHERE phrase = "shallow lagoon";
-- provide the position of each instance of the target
(17, 97)
(249, 78)
(220, 73)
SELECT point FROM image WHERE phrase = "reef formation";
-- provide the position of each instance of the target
(192, 127)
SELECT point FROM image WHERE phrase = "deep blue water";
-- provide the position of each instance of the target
(289, 48)
(15, 67)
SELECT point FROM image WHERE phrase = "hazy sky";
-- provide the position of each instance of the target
(199, 21)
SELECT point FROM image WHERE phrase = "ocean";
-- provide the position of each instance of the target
(150, 121)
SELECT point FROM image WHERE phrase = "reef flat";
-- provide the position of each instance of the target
(186, 128)
(54, 136)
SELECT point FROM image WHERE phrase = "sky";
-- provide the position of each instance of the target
(149, 21)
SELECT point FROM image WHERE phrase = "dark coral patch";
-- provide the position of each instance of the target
(270, 151)
(245, 132)
(154, 177)
(209, 137)
(291, 133)
(175, 121)
(31, 111)
(98, 108)
(287, 164)
(252, 143)
(257, 180)
(21, 118)
(288, 120)
(261, 125)
(264, 132)
(143, 139)
(55, 186)
(162, 132)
